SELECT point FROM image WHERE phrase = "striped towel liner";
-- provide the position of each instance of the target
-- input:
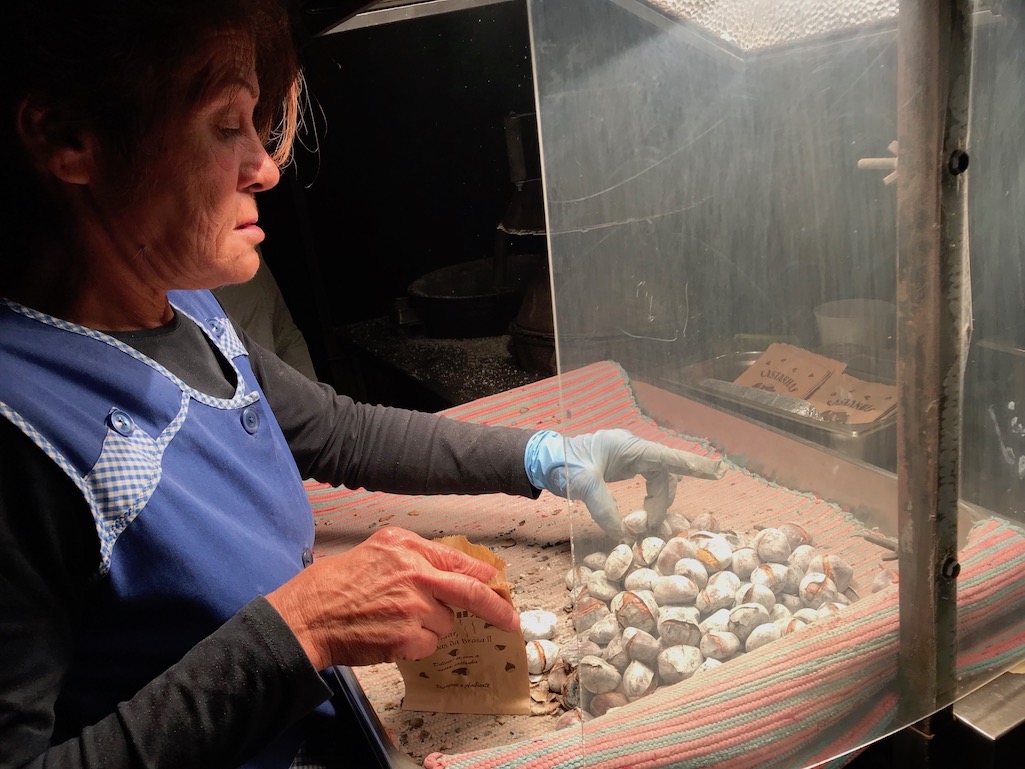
(811, 696)
(800, 701)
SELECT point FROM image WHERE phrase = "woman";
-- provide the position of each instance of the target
(159, 603)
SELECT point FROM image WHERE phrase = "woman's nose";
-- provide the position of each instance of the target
(263, 171)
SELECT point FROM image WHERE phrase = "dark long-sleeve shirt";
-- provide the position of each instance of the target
(249, 678)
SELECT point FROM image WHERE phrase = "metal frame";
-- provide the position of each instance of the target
(932, 280)
(403, 10)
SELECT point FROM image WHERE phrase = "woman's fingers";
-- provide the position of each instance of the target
(417, 644)
(476, 597)
(460, 581)
(439, 618)
(391, 597)
(686, 463)
(441, 556)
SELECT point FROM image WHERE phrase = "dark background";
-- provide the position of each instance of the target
(406, 171)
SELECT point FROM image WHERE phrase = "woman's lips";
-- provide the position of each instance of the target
(250, 229)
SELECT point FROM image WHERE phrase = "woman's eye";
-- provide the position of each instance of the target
(229, 131)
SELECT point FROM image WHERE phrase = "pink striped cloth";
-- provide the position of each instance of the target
(596, 396)
(802, 700)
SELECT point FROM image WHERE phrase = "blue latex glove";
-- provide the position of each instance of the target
(579, 467)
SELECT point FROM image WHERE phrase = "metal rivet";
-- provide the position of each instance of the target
(958, 162)
(951, 568)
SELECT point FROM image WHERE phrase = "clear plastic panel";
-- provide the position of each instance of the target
(994, 474)
(723, 235)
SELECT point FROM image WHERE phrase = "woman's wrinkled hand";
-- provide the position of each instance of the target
(389, 598)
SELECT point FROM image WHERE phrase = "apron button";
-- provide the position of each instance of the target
(307, 557)
(251, 419)
(120, 422)
(216, 328)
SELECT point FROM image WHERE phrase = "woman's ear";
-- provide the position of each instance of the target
(54, 145)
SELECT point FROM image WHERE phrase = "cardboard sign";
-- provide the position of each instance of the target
(845, 399)
(788, 370)
(477, 668)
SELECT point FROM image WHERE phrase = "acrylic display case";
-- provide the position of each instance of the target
(733, 188)
(764, 219)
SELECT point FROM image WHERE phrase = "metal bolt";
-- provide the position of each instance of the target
(951, 568)
(958, 162)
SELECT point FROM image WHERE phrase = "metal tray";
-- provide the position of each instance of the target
(874, 443)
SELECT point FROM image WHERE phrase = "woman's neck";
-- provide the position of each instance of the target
(76, 291)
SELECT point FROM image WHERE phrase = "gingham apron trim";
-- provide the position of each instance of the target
(110, 517)
(238, 400)
(114, 509)
(227, 340)
(51, 451)
(306, 761)
(106, 542)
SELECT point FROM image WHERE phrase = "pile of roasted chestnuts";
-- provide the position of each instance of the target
(662, 607)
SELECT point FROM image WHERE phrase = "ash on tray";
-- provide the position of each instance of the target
(542, 574)
(538, 569)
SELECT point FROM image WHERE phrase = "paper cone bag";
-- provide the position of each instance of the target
(477, 668)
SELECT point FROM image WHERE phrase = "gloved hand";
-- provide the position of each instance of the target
(581, 466)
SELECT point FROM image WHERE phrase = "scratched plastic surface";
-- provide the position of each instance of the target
(752, 26)
(716, 170)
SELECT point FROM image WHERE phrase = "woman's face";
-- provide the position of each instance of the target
(191, 221)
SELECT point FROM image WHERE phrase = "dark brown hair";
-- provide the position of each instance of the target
(114, 67)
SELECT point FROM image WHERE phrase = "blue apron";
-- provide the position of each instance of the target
(197, 501)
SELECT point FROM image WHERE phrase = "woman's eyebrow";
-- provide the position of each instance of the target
(251, 88)
(234, 84)
(216, 92)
